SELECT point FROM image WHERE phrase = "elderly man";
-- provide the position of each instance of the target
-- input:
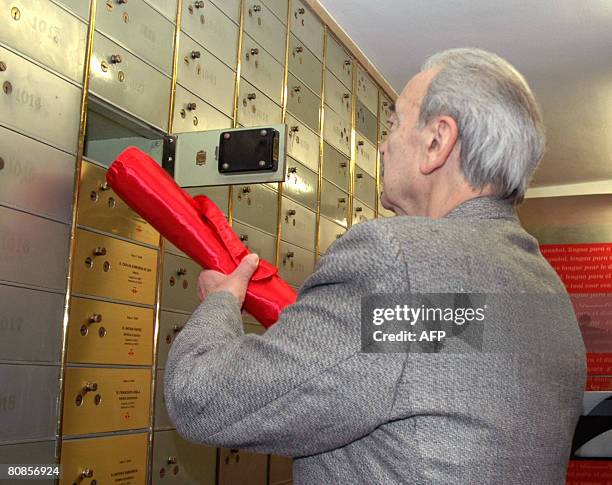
(466, 135)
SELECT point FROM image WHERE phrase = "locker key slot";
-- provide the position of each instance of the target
(95, 318)
(87, 473)
(99, 251)
(89, 387)
(288, 257)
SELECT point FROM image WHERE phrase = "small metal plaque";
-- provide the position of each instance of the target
(117, 459)
(97, 400)
(112, 268)
(108, 333)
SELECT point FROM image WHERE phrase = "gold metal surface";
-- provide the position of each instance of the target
(284, 119)
(353, 146)
(77, 177)
(117, 459)
(160, 254)
(378, 159)
(280, 470)
(321, 144)
(100, 208)
(112, 268)
(97, 400)
(109, 333)
(179, 287)
(230, 205)
(238, 65)
(175, 57)
(155, 343)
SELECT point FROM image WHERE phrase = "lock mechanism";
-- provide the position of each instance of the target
(228, 156)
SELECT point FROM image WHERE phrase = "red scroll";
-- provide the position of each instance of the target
(197, 227)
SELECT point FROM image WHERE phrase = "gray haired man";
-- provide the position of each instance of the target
(466, 136)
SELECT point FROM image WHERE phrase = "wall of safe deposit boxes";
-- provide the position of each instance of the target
(91, 299)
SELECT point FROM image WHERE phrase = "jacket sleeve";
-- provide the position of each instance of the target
(304, 386)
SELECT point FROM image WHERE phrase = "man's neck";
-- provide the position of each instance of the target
(440, 203)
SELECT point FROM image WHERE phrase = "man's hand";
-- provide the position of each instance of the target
(211, 281)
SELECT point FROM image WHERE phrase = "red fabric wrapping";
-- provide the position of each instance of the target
(197, 227)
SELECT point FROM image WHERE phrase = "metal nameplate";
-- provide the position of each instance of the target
(109, 333)
(112, 268)
(100, 208)
(97, 400)
(105, 460)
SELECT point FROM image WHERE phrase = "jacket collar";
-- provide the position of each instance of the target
(487, 207)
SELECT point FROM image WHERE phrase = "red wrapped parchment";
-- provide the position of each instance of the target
(197, 227)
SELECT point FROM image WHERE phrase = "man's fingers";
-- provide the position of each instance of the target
(246, 268)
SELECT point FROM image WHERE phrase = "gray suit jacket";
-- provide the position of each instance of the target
(305, 389)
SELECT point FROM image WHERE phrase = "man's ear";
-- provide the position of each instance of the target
(441, 135)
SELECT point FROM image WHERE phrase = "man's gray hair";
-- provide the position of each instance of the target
(500, 123)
